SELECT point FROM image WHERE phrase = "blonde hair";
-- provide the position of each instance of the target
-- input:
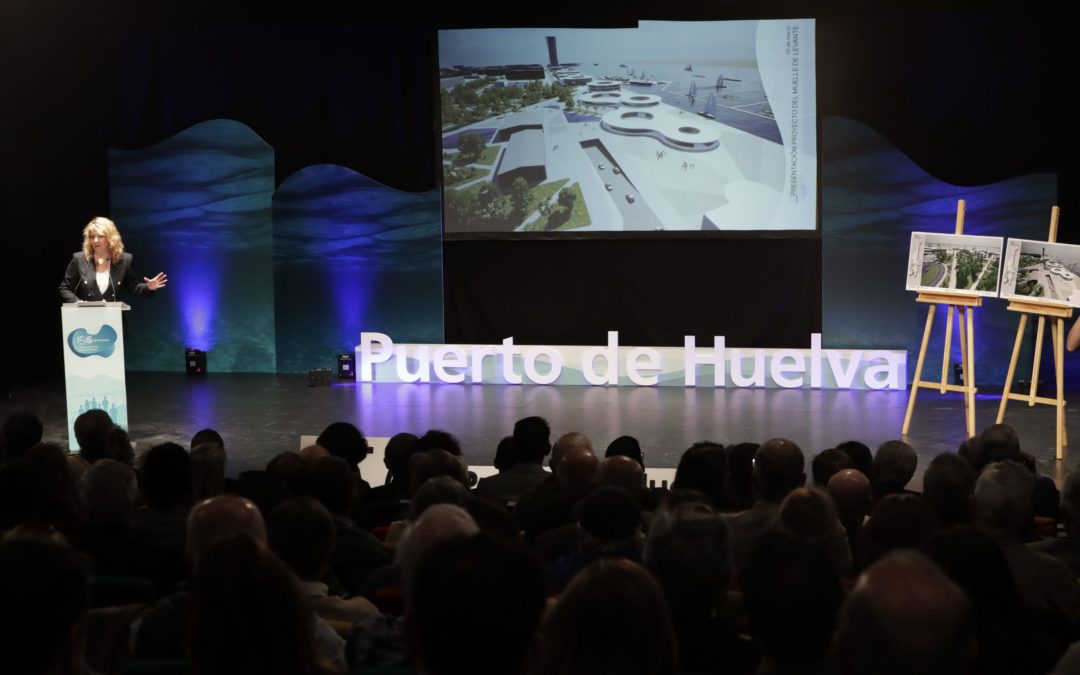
(106, 228)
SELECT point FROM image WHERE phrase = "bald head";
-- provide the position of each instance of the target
(778, 469)
(565, 444)
(850, 491)
(904, 616)
(314, 452)
(622, 472)
(576, 472)
(219, 518)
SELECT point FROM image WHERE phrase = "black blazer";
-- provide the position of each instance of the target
(80, 280)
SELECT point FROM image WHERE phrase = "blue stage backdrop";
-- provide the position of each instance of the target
(351, 254)
(872, 198)
(265, 281)
(197, 206)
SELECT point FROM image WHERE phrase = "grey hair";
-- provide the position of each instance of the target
(109, 492)
(437, 524)
(1003, 493)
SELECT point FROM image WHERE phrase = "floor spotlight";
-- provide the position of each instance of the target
(346, 366)
(318, 377)
(195, 360)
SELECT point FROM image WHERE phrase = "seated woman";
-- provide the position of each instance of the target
(246, 614)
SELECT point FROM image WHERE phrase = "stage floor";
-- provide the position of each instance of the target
(260, 415)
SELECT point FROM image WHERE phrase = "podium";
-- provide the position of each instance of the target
(93, 335)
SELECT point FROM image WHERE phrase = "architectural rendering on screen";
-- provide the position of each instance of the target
(954, 262)
(1042, 270)
(667, 126)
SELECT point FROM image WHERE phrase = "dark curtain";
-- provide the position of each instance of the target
(756, 292)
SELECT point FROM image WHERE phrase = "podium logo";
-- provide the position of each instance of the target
(102, 343)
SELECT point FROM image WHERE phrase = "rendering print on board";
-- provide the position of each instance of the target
(667, 126)
(1042, 270)
(954, 262)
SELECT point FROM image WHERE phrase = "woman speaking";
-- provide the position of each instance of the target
(101, 269)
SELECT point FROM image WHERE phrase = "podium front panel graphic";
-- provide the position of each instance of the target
(93, 336)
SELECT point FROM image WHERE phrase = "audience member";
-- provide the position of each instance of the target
(265, 489)
(436, 439)
(159, 633)
(905, 617)
(379, 640)
(460, 573)
(109, 495)
(894, 467)
(437, 524)
(399, 449)
(551, 507)
(505, 457)
(850, 491)
(291, 468)
(688, 553)
(999, 442)
(20, 432)
(44, 596)
(626, 446)
(810, 513)
(437, 490)
(778, 469)
(740, 484)
(387, 502)
(948, 486)
(166, 483)
(612, 619)
(620, 471)
(567, 442)
(436, 462)
(827, 463)
(1004, 507)
(861, 457)
(469, 587)
(246, 614)
(119, 446)
(92, 430)
(302, 534)
(792, 596)
(531, 445)
(609, 526)
(60, 508)
(1007, 639)
(704, 467)
(898, 521)
(1067, 549)
(357, 552)
(207, 471)
(344, 440)
(313, 452)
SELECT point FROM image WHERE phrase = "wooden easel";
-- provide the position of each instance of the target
(1058, 314)
(963, 304)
